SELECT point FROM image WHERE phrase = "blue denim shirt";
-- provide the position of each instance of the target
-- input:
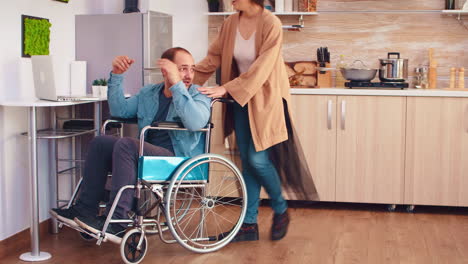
(188, 106)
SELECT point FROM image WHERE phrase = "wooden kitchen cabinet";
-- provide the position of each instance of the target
(437, 151)
(314, 119)
(370, 149)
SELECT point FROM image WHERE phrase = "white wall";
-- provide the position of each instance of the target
(190, 28)
(16, 82)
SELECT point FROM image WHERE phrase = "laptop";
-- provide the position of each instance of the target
(44, 81)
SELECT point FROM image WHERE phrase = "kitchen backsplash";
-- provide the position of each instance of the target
(369, 35)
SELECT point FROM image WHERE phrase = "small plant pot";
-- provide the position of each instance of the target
(103, 91)
(96, 89)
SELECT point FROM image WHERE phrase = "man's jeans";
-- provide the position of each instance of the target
(119, 156)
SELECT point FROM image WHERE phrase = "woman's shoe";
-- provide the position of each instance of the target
(247, 232)
(280, 226)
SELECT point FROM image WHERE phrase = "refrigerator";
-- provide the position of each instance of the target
(141, 36)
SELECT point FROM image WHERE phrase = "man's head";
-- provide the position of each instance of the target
(184, 61)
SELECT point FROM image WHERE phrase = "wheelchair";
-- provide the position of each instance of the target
(200, 200)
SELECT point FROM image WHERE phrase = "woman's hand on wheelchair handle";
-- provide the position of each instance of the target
(212, 92)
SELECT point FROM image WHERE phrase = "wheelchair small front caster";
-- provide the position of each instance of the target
(86, 237)
(391, 207)
(133, 247)
(410, 208)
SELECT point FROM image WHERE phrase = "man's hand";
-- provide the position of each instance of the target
(170, 71)
(212, 92)
(121, 64)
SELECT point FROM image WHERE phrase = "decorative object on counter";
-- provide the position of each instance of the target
(421, 77)
(339, 79)
(393, 69)
(432, 75)
(99, 88)
(131, 6)
(461, 78)
(453, 72)
(449, 4)
(35, 36)
(213, 5)
(302, 74)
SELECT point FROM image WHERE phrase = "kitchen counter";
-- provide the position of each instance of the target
(382, 92)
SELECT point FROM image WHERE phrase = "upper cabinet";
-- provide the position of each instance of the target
(437, 151)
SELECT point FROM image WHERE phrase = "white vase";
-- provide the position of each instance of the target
(96, 90)
(103, 92)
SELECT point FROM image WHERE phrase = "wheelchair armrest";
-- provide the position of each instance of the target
(168, 124)
(124, 120)
(116, 122)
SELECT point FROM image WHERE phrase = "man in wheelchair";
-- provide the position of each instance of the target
(176, 99)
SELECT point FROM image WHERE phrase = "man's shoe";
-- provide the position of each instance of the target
(247, 232)
(114, 232)
(280, 226)
(66, 215)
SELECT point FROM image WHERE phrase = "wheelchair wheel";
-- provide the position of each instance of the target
(217, 206)
(129, 250)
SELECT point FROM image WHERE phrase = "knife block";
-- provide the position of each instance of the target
(324, 80)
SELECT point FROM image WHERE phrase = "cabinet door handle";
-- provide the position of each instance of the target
(329, 114)
(343, 115)
(466, 118)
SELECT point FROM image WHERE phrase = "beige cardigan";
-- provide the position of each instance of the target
(263, 86)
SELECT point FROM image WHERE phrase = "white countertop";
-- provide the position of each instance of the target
(404, 92)
(28, 102)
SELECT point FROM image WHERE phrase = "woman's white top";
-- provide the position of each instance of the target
(244, 51)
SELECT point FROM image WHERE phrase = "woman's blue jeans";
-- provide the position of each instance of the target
(257, 169)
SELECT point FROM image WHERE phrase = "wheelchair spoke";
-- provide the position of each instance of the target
(223, 218)
(229, 202)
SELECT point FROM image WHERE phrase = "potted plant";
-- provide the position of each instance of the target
(213, 5)
(99, 88)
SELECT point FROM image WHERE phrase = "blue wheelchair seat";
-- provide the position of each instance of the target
(161, 168)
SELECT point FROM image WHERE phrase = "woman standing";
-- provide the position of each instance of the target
(248, 50)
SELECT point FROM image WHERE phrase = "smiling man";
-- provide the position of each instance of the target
(176, 99)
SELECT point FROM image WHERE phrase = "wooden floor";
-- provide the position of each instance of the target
(319, 233)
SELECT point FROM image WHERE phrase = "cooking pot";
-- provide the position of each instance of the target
(355, 74)
(393, 69)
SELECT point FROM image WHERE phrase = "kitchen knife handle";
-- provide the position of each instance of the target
(329, 115)
(343, 115)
